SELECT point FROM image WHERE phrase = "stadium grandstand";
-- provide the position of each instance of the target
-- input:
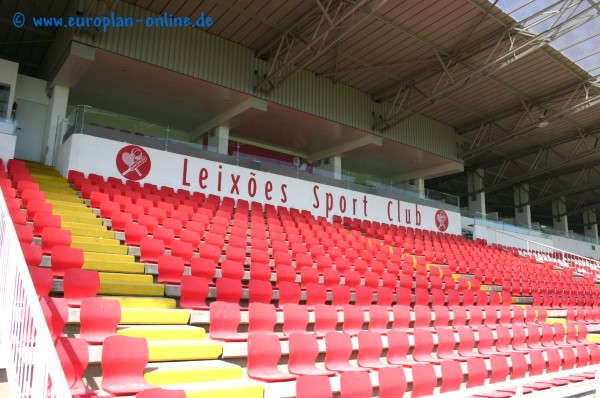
(300, 198)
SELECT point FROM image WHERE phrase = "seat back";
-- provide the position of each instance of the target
(124, 360)
(79, 284)
(99, 319)
(73, 356)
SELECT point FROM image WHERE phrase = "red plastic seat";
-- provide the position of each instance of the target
(79, 284)
(295, 318)
(466, 343)
(289, 293)
(165, 234)
(379, 318)
(260, 291)
(225, 319)
(262, 318)
(35, 202)
(45, 220)
(477, 372)
(229, 290)
(99, 318)
(402, 318)
(134, 234)
(355, 385)
(208, 251)
(264, 353)
(363, 296)
(194, 291)
(398, 347)
(42, 280)
(160, 393)
(232, 269)
(119, 220)
(303, 355)
(446, 344)
(392, 382)
(32, 254)
(326, 319)
(124, 360)
(370, 348)
(74, 358)
(313, 386)
(151, 249)
(203, 267)
(63, 258)
(338, 350)
(424, 380)
(315, 294)
(340, 295)
(354, 319)
(54, 237)
(452, 376)
(259, 271)
(56, 313)
(170, 269)
(424, 347)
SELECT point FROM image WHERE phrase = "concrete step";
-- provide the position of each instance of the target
(104, 248)
(154, 316)
(93, 231)
(222, 389)
(72, 206)
(161, 351)
(166, 373)
(132, 289)
(164, 332)
(145, 302)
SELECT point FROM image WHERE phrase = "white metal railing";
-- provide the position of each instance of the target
(544, 252)
(26, 347)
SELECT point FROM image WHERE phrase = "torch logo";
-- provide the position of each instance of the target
(133, 162)
(441, 220)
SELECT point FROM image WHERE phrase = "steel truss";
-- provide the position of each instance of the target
(308, 38)
(512, 45)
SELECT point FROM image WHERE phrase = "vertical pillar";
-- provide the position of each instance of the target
(476, 193)
(419, 186)
(559, 208)
(57, 111)
(590, 225)
(522, 210)
(218, 139)
(333, 165)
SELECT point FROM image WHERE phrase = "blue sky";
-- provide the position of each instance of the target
(582, 45)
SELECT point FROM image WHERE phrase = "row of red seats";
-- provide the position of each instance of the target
(264, 352)
(123, 358)
(225, 319)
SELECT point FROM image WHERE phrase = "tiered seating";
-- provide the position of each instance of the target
(269, 282)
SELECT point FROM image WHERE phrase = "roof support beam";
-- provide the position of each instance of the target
(583, 98)
(346, 147)
(293, 53)
(497, 186)
(510, 47)
(450, 167)
(580, 210)
(248, 105)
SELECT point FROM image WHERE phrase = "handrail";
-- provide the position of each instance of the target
(32, 365)
(520, 243)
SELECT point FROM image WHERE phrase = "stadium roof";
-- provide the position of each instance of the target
(516, 79)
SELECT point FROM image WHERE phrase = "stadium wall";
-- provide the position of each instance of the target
(202, 55)
(110, 158)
